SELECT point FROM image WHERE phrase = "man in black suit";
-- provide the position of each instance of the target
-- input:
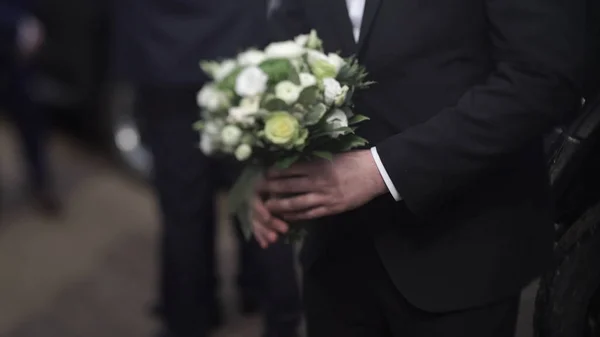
(163, 41)
(21, 37)
(435, 230)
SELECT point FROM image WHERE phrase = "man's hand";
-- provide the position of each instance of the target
(322, 188)
(316, 189)
(265, 226)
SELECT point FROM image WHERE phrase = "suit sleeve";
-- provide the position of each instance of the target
(287, 20)
(537, 47)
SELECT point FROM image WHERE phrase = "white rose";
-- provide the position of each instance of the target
(336, 120)
(310, 41)
(245, 113)
(315, 55)
(224, 69)
(241, 115)
(307, 80)
(287, 92)
(333, 90)
(211, 98)
(212, 128)
(243, 152)
(251, 57)
(337, 61)
(252, 81)
(208, 143)
(314, 42)
(252, 103)
(331, 63)
(231, 135)
(341, 97)
(286, 49)
(301, 40)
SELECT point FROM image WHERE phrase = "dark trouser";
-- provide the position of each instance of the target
(187, 182)
(270, 276)
(28, 119)
(350, 294)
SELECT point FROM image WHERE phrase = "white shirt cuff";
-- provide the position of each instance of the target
(386, 177)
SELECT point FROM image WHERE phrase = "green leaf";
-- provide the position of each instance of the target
(287, 161)
(228, 83)
(309, 95)
(242, 190)
(323, 154)
(315, 114)
(278, 70)
(198, 126)
(357, 119)
(353, 74)
(349, 96)
(276, 104)
(344, 129)
(352, 141)
(293, 76)
(244, 215)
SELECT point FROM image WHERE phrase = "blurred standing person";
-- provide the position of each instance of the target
(166, 40)
(21, 38)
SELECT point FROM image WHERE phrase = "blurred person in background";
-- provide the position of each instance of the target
(21, 38)
(165, 41)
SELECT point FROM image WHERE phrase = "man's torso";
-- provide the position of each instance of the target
(424, 55)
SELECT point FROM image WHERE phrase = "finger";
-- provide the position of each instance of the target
(260, 211)
(295, 204)
(263, 235)
(278, 225)
(260, 239)
(290, 185)
(264, 217)
(313, 213)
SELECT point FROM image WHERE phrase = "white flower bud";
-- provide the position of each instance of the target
(243, 152)
(231, 135)
(252, 81)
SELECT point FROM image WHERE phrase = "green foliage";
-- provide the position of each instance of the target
(279, 70)
(228, 83)
(315, 114)
(357, 119)
(198, 126)
(323, 154)
(287, 161)
(353, 74)
(275, 104)
(240, 195)
(309, 95)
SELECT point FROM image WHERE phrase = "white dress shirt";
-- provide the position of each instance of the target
(356, 10)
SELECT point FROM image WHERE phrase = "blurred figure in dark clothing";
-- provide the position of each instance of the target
(592, 76)
(21, 37)
(162, 43)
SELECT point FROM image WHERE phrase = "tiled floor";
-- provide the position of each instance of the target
(91, 272)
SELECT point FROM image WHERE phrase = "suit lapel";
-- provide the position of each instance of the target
(370, 13)
(341, 24)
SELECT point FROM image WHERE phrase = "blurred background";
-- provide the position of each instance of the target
(79, 255)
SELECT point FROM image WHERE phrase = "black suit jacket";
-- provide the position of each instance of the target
(465, 90)
(161, 41)
(592, 80)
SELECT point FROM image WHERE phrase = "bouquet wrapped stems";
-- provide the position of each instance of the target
(240, 198)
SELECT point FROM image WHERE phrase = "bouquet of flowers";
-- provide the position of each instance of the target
(273, 107)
